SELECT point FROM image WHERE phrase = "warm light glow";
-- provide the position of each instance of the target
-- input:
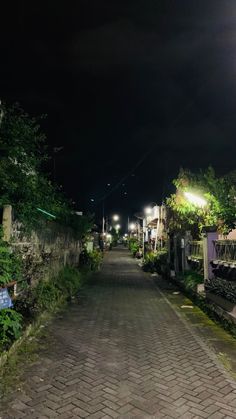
(117, 227)
(115, 217)
(195, 200)
(148, 210)
(109, 236)
(132, 226)
(126, 235)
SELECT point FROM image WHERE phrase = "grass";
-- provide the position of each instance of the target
(26, 353)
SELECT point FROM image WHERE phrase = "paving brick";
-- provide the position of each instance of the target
(123, 353)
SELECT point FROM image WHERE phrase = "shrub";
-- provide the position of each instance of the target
(156, 262)
(149, 262)
(27, 304)
(46, 294)
(191, 279)
(10, 266)
(91, 260)
(35, 300)
(68, 281)
(10, 327)
(133, 246)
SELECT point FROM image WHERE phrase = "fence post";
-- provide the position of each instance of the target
(7, 222)
(176, 261)
(209, 236)
(187, 240)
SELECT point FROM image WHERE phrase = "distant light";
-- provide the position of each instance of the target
(116, 217)
(148, 210)
(125, 193)
(117, 227)
(108, 184)
(195, 200)
(132, 226)
(126, 235)
(108, 236)
(91, 199)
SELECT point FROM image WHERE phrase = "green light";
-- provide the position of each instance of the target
(47, 213)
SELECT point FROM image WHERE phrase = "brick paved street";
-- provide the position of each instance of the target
(124, 353)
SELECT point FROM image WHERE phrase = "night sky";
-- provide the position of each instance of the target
(133, 90)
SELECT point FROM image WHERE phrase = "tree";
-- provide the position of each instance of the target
(220, 194)
(23, 184)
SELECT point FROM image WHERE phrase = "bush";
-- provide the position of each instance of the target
(149, 262)
(68, 281)
(10, 266)
(10, 327)
(133, 246)
(191, 279)
(34, 300)
(91, 260)
(156, 262)
(46, 294)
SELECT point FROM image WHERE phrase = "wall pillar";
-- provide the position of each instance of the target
(208, 252)
(176, 261)
(187, 239)
(7, 222)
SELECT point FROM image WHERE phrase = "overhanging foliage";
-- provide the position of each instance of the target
(220, 194)
(23, 183)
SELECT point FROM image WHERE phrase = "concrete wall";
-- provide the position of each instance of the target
(230, 236)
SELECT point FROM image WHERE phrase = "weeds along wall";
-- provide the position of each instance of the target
(43, 251)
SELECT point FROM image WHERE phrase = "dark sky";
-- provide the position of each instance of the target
(133, 89)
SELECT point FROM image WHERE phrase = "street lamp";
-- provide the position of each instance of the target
(132, 226)
(195, 199)
(148, 210)
(116, 217)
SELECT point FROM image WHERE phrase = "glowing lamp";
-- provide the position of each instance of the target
(195, 199)
(148, 210)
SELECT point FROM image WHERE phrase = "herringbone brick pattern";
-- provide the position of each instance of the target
(124, 353)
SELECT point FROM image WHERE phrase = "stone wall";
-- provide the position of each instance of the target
(45, 251)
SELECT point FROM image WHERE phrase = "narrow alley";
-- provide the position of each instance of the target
(124, 352)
